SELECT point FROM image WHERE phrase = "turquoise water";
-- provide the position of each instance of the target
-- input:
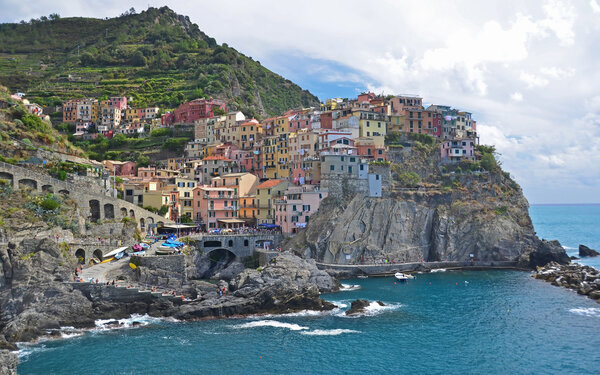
(492, 322)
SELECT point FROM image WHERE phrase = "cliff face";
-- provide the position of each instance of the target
(455, 217)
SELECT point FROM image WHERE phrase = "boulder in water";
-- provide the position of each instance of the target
(585, 251)
(358, 306)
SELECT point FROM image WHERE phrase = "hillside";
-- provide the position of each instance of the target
(23, 134)
(157, 56)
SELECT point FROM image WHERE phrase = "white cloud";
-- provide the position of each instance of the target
(517, 96)
(595, 6)
(533, 80)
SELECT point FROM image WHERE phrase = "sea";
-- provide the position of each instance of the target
(454, 322)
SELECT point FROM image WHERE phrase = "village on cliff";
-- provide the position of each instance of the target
(240, 172)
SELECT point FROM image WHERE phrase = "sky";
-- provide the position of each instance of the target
(527, 70)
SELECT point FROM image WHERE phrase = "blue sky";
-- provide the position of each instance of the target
(527, 70)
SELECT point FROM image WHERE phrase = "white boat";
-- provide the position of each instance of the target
(403, 276)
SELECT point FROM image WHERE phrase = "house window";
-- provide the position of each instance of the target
(331, 167)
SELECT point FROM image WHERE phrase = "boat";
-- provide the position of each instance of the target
(363, 276)
(167, 251)
(403, 276)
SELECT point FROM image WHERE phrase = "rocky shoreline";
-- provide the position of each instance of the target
(585, 280)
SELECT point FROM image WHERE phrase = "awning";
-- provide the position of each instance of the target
(231, 221)
(178, 226)
(115, 251)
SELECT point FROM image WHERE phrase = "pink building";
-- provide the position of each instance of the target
(118, 102)
(193, 110)
(298, 204)
(299, 121)
(456, 150)
(216, 207)
(366, 148)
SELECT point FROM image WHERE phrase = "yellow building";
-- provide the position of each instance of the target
(373, 125)
(265, 194)
(248, 133)
(396, 123)
(131, 114)
(269, 151)
(185, 187)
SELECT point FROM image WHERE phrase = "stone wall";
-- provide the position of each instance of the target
(166, 271)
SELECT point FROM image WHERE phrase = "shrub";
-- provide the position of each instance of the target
(49, 203)
(161, 132)
(408, 179)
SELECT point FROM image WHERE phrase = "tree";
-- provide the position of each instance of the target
(488, 162)
(54, 16)
(142, 161)
(138, 59)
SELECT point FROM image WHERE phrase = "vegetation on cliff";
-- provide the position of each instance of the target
(157, 56)
(21, 133)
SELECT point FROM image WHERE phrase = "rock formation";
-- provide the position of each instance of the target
(8, 363)
(462, 217)
(583, 279)
(585, 251)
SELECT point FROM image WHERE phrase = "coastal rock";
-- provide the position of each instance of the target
(583, 279)
(546, 252)
(8, 363)
(357, 307)
(373, 230)
(585, 251)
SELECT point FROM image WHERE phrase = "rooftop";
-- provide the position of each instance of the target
(269, 184)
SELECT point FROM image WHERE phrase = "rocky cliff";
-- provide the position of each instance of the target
(466, 216)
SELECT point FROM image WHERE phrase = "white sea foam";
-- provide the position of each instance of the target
(270, 323)
(328, 332)
(348, 287)
(438, 270)
(26, 349)
(373, 309)
(143, 320)
(569, 248)
(587, 311)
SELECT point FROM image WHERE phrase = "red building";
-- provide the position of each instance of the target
(194, 110)
(326, 120)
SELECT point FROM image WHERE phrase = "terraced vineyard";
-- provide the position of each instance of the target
(157, 57)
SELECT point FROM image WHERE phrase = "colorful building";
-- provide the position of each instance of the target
(293, 210)
(266, 192)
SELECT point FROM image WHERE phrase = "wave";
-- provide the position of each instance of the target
(328, 332)
(587, 311)
(348, 287)
(270, 323)
(438, 270)
(132, 321)
(569, 248)
(373, 309)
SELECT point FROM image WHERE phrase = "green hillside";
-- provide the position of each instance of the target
(157, 57)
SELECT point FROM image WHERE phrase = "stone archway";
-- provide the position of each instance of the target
(142, 224)
(123, 212)
(27, 183)
(132, 214)
(47, 189)
(150, 220)
(212, 244)
(64, 192)
(80, 255)
(8, 177)
(94, 210)
(98, 254)
(109, 211)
